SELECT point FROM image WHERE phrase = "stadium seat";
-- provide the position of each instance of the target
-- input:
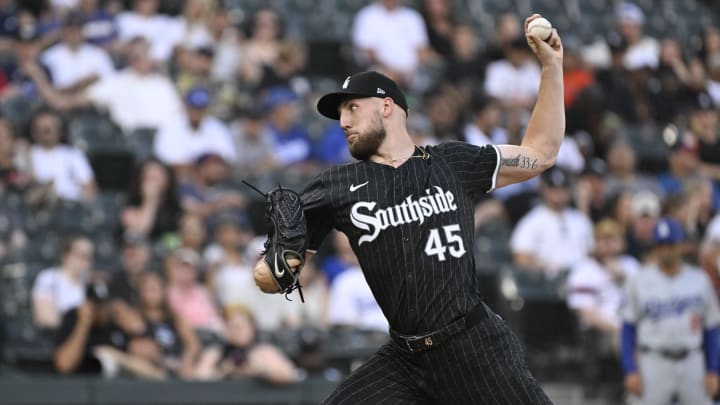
(92, 133)
(141, 141)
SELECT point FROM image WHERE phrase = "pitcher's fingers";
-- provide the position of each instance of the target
(554, 39)
(532, 17)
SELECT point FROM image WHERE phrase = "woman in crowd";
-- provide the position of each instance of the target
(153, 208)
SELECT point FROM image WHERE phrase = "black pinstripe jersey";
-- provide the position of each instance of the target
(411, 228)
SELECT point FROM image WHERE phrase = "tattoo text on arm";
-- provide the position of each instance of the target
(520, 161)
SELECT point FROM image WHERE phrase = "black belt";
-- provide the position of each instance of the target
(419, 343)
(670, 354)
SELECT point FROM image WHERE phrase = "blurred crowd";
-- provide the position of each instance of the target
(214, 94)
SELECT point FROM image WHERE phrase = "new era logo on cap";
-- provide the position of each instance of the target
(361, 85)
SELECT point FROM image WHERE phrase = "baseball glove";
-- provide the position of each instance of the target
(287, 237)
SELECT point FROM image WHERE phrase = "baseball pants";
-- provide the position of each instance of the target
(663, 378)
(481, 365)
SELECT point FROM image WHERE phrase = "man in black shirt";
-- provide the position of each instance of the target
(408, 213)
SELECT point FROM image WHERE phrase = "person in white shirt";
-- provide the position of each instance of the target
(62, 167)
(595, 285)
(351, 301)
(483, 127)
(74, 63)
(514, 80)
(552, 237)
(59, 289)
(390, 35)
(181, 142)
(162, 32)
(136, 97)
(642, 51)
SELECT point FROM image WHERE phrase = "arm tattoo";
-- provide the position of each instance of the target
(520, 161)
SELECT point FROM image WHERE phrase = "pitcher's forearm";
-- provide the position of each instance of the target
(546, 127)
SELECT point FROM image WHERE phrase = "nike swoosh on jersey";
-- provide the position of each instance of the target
(355, 188)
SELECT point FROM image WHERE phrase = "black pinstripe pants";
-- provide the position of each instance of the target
(482, 365)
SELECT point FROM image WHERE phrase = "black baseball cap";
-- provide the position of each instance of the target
(360, 85)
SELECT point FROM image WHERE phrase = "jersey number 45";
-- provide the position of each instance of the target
(451, 243)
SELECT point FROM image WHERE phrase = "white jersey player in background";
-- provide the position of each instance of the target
(670, 328)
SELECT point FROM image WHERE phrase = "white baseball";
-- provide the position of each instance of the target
(540, 27)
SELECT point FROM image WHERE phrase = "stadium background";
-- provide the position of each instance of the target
(646, 105)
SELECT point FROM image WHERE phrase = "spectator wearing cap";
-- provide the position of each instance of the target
(188, 299)
(552, 237)
(514, 80)
(136, 97)
(391, 37)
(595, 284)
(292, 142)
(645, 210)
(73, 63)
(642, 51)
(184, 141)
(703, 124)
(22, 69)
(64, 169)
(205, 194)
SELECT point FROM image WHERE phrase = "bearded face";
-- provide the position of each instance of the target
(365, 142)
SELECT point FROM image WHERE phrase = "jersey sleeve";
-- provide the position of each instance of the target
(476, 166)
(710, 302)
(316, 204)
(581, 288)
(630, 308)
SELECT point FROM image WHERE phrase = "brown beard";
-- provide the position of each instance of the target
(369, 141)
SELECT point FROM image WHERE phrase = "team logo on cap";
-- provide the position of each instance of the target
(346, 83)
(380, 91)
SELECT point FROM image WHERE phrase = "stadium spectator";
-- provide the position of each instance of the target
(63, 168)
(205, 194)
(161, 32)
(643, 51)
(703, 124)
(135, 97)
(465, 65)
(683, 165)
(254, 144)
(62, 288)
(392, 38)
(332, 148)
(99, 26)
(645, 210)
(227, 257)
(507, 29)
(287, 69)
(420, 130)
(693, 208)
(21, 70)
(227, 39)
(243, 356)
(188, 299)
(13, 176)
(595, 284)
(194, 69)
(623, 174)
(168, 341)
(351, 303)
(134, 259)
(263, 37)
(292, 142)
(74, 64)
(515, 79)
(88, 341)
(192, 235)
(185, 140)
(577, 76)
(193, 23)
(552, 237)
(440, 25)
(483, 126)
(591, 196)
(152, 205)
